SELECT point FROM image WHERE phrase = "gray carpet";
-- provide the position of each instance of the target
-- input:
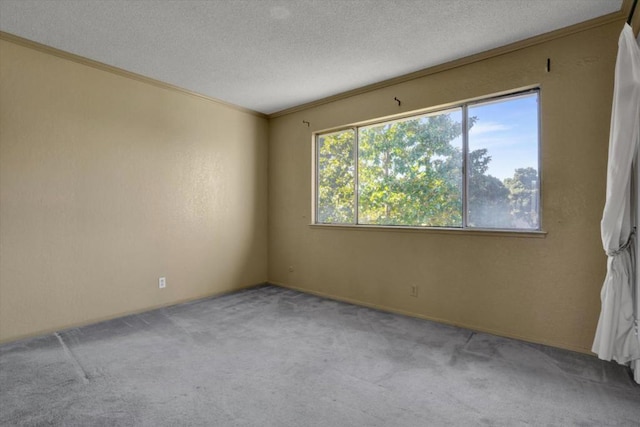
(269, 356)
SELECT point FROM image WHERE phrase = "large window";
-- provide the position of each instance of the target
(473, 166)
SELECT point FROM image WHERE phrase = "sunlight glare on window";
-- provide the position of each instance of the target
(503, 186)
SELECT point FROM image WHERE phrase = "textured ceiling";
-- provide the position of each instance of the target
(269, 55)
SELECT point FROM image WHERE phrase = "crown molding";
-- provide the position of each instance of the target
(620, 16)
(118, 71)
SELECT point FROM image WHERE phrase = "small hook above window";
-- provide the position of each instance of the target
(306, 123)
(397, 100)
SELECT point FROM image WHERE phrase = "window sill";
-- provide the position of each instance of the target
(540, 234)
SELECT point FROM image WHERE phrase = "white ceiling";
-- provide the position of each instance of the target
(269, 55)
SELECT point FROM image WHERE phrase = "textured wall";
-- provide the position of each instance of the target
(539, 289)
(108, 183)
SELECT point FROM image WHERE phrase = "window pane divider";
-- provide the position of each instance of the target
(356, 173)
(465, 165)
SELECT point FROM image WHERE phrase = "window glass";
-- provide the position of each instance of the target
(336, 178)
(474, 166)
(410, 171)
(503, 163)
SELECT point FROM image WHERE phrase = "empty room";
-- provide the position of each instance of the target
(319, 212)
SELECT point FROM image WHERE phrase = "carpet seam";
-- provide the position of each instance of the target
(74, 360)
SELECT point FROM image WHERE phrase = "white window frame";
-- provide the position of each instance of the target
(464, 106)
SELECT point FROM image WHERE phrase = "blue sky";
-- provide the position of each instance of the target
(509, 130)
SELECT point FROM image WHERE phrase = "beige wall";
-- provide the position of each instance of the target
(538, 289)
(108, 183)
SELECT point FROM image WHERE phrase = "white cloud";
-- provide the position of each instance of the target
(480, 128)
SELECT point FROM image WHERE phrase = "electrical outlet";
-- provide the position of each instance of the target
(414, 291)
(162, 282)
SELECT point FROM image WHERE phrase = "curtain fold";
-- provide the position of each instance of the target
(616, 336)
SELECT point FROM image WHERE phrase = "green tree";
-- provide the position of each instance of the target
(410, 172)
(336, 181)
(523, 197)
(488, 199)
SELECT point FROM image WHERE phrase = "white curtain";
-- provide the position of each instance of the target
(616, 336)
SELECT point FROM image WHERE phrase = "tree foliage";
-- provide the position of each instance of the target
(335, 185)
(488, 197)
(523, 197)
(410, 173)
